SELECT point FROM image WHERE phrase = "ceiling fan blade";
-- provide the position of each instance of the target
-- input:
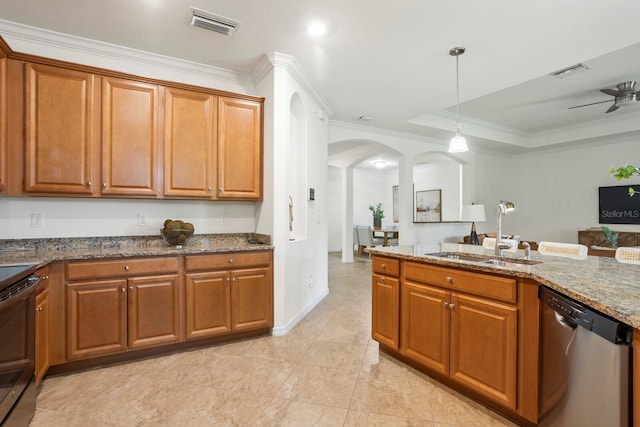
(611, 109)
(586, 105)
(611, 92)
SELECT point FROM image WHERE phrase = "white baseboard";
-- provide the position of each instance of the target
(279, 331)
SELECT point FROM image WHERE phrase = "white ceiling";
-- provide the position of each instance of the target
(390, 60)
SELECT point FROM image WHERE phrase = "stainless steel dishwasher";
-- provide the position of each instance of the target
(584, 365)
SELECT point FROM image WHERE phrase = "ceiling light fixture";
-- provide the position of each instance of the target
(458, 144)
(316, 29)
(380, 164)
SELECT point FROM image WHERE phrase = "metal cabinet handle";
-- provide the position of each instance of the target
(228, 280)
(209, 189)
(233, 280)
(383, 266)
(451, 306)
(123, 290)
(131, 288)
(126, 268)
(40, 308)
(231, 261)
(445, 304)
(104, 185)
(220, 189)
(382, 280)
(88, 184)
(449, 279)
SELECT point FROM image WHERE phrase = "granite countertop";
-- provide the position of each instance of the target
(603, 283)
(44, 251)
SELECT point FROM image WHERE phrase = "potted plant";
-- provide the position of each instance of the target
(378, 214)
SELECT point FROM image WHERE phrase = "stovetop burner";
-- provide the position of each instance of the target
(9, 274)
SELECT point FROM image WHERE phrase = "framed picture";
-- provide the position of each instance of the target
(427, 206)
(395, 204)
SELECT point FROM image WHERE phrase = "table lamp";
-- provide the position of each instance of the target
(473, 213)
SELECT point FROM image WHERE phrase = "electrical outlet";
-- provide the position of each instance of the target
(37, 220)
(311, 280)
(142, 220)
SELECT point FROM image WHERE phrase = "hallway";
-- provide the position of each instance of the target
(326, 372)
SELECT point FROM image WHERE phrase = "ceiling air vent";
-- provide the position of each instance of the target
(212, 22)
(574, 69)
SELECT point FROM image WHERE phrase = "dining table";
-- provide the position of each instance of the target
(387, 233)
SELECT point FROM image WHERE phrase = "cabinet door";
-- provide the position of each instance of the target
(3, 123)
(251, 299)
(189, 143)
(154, 310)
(208, 305)
(385, 310)
(42, 334)
(239, 149)
(483, 347)
(59, 152)
(425, 325)
(96, 318)
(129, 138)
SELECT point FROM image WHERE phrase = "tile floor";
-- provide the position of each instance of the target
(326, 372)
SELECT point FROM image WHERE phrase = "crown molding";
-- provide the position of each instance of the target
(291, 65)
(32, 40)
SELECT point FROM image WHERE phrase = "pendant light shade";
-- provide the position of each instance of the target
(458, 144)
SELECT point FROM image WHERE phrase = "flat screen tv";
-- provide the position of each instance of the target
(617, 207)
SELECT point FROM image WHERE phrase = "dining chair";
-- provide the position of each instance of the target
(566, 250)
(366, 239)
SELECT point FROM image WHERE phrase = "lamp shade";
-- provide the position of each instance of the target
(473, 213)
(458, 144)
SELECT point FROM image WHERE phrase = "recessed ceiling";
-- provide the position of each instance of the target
(390, 61)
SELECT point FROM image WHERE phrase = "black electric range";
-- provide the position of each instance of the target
(10, 274)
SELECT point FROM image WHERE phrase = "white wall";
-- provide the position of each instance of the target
(300, 270)
(555, 191)
(110, 217)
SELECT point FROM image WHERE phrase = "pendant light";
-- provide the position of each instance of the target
(458, 144)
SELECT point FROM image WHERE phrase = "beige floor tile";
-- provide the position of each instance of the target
(449, 407)
(286, 348)
(283, 413)
(405, 396)
(320, 385)
(334, 355)
(45, 418)
(366, 419)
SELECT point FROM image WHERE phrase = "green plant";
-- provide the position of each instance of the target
(378, 213)
(610, 237)
(625, 172)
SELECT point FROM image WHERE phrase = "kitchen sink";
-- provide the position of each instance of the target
(484, 259)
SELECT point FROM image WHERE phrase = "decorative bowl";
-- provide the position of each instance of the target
(176, 237)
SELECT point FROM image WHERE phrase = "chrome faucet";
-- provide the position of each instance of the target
(527, 250)
(503, 208)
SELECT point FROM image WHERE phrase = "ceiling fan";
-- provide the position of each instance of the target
(625, 95)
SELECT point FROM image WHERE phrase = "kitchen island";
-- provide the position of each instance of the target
(475, 326)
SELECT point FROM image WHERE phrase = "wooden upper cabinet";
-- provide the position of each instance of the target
(130, 138)
(59, 125)
(189, 143)
(3, 122)
(239, 149)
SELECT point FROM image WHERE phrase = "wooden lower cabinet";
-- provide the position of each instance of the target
(96, 318)
(42, 334)
(208, 304)
(463, 327)
(385, 292)
(228, 293)
(116, 305)
(425, 326)
(154, 311)
(483, 347)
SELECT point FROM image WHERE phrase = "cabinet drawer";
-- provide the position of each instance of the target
(227, 260)
(386, 266)
(500, 288)
(121, 267)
